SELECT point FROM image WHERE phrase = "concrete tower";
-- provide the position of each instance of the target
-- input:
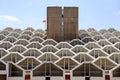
(70, 23)
(62, 24)
(54, 23)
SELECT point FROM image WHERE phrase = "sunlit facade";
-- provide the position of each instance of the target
(27, 55)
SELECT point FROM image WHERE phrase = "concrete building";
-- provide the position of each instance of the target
(70, 23)
(62, 24)
(54, 23)
(25, 55)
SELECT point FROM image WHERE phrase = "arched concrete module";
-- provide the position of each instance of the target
(48, 70)
(76, 42)
(87, 70)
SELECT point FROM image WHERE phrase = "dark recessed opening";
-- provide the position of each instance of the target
(87, 78)
(47, 78)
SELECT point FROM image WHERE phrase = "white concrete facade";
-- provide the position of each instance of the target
(27, 52)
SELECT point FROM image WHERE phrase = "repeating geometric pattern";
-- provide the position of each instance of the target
(28, 49)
